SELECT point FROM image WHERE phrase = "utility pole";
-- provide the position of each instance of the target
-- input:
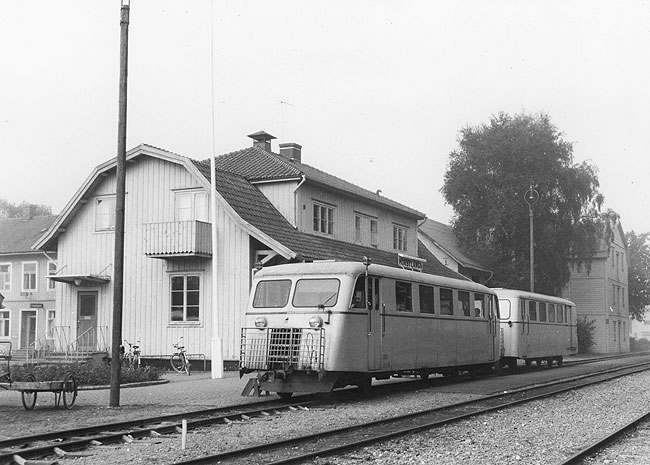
(120, 194)
(531, 196)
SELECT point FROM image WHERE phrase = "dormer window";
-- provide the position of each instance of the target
(323, 218)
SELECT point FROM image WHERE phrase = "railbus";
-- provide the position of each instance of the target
(536, 327)
(314, 327)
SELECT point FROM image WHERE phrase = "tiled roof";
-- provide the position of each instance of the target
(17, 235)
(444, 236)
(258, 211)
(256, 164)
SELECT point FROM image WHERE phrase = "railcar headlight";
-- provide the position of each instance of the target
(260, 322)
(316, 322)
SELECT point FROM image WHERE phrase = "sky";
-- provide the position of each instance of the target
(376, 92)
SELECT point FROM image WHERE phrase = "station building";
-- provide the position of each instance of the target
(271, 208)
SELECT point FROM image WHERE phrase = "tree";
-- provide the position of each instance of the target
(9, 210)
(638, 273)
(486, 181)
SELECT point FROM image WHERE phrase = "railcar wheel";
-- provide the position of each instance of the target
(424, 375)
(285, 395)
(549, 362)
(512, 364)
(29, 397)
(69, 390)
(559, 361)
(529, 363)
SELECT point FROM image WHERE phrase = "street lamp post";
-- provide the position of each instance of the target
(531, 196)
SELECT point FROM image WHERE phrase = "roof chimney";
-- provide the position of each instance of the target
(262, 140)
(291, 150)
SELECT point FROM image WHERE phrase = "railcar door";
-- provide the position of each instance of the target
(525, 329)
(374, 323)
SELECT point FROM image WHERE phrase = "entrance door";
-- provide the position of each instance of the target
(27, 328)
(374, 324)
(87, 320)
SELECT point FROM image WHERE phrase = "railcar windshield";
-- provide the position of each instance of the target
(272, 294)
(316, 292)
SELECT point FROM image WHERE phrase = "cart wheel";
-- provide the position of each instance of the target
(29, 397)
(69, 390)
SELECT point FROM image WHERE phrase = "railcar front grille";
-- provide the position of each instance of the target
(282, 349)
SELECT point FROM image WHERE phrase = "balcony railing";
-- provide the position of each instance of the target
(178, 239)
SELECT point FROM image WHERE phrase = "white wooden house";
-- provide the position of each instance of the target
(600, 292)
(271, 208)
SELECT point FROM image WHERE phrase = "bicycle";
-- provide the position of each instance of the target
(179, 361)
(132, 357)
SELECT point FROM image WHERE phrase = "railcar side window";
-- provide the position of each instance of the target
(359, 294)
(532, 310)
(551, 313)
(316, 292)
(426, 299)
(446, 302)
(542, 311)
(272, 294)
(479, 310)
(560, 314)
(403, 297)
(463, 301)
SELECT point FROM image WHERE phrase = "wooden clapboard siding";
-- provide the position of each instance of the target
(282, 196)
(345, 209)
(150, 187)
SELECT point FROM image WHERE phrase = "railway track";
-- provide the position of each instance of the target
(73, 440)
(67, 442)
(601, 444)
(332, 442)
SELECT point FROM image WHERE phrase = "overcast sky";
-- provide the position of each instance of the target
(376, 91)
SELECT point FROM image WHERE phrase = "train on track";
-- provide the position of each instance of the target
(315, 327)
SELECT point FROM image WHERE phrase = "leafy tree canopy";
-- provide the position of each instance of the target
(9, 210)
(486, 181)
(638, 273)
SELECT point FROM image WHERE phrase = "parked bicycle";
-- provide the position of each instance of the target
(132, 357)
(180, 362)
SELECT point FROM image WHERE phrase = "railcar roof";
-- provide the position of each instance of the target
(356, 268)
(515, 293)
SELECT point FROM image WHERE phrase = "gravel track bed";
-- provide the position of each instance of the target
(541, 432)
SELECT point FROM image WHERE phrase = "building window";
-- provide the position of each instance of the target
(399, 238)
(185, 298)
(4, 323)
(357, 229)
(323, 219)
(29, 276)
(51, 270)
(374, 233)
(51, 319)
(5, 277)
(191, 206)
(105, 213)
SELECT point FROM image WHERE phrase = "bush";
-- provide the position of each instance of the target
(585, 334)
(92, 373)
(639, 345)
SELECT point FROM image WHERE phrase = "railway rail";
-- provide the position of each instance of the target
(598, 446)
(72, 440)
(332, 442)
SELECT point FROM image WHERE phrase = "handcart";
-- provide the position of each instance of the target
(65, 389)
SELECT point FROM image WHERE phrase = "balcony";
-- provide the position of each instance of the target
(178, 239)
